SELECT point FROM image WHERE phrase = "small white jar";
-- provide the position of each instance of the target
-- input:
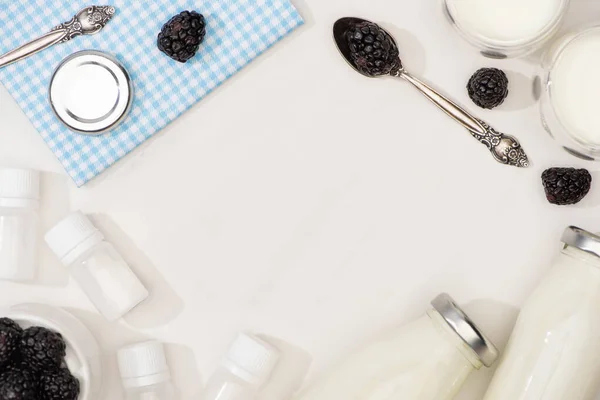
(96, 265)
(554, 350)
(429, 359)
(245, 369)
(19, 224)
(144, 372)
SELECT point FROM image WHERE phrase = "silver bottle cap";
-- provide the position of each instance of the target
(91, 92)
(582, 239)
(466, 329)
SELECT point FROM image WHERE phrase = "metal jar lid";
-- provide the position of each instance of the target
(466, 329)
(91, 92)
(582, 239)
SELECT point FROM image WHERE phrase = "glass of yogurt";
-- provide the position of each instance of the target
(570, 102)
(506, 28)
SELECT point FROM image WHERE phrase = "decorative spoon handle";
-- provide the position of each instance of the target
(505, 149)
(32, 47)
(88, 21)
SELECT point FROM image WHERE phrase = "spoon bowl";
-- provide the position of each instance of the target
(340, 28)
(504, 149)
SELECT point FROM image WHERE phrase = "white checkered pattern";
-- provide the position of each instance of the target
(238, 31)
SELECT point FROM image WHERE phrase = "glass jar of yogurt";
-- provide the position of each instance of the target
(570, 92)
(554, 350)
(506, 28)
(429, 359)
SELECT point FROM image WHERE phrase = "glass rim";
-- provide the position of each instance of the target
(482, 41)
(576, 34)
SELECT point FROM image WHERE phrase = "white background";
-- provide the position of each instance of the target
(321, 208)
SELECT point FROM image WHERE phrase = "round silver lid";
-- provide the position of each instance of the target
(91, 92)
(466, 329)
(582, 239)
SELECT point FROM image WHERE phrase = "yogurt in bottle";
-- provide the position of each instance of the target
(554, 350)
(509, 27)
(429, 359)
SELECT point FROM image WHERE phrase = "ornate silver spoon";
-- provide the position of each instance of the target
(88, 21)
(505, 149)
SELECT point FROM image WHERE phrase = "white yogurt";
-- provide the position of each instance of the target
(424, 361)
(506, 22)
(575, 88)
(554, 351)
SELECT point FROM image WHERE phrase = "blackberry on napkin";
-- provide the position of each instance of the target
(180, 38)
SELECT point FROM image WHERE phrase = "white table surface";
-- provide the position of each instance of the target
(318, 207)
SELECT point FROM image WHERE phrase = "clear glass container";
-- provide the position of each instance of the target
(19, 224)
(554, 351)
(568, 83)
(508, 28)
(428, 359)
(84, 355)
(97, 266)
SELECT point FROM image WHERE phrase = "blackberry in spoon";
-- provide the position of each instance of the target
(373, 52)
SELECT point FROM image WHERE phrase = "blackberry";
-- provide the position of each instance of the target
(488, 87)
(565, 186)
(42, 349)
(17, 362)
(373, 50)
(10, 335)
(180, 38)
(18, 384)
(58, 385)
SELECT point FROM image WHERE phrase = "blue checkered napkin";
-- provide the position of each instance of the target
(238, 31)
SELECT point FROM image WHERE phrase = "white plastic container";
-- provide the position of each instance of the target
(507, 28)
(245, 369)
(96, 265)
(84, 356)
(145, 373)
(19, 224)
(554, 350)
(429, 359)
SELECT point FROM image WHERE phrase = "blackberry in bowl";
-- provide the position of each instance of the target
(58, 385)
(10, 335)
(50, 333)
(18, 384)
(42, 348)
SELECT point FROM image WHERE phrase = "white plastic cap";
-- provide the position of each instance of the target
(251, 359)
(143, 364)
(72, 237)
(19, 187)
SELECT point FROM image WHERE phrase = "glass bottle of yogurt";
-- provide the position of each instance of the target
(554, 350)
(429, 359)
(506, 28)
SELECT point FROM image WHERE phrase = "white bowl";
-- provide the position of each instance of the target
(83, 352)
